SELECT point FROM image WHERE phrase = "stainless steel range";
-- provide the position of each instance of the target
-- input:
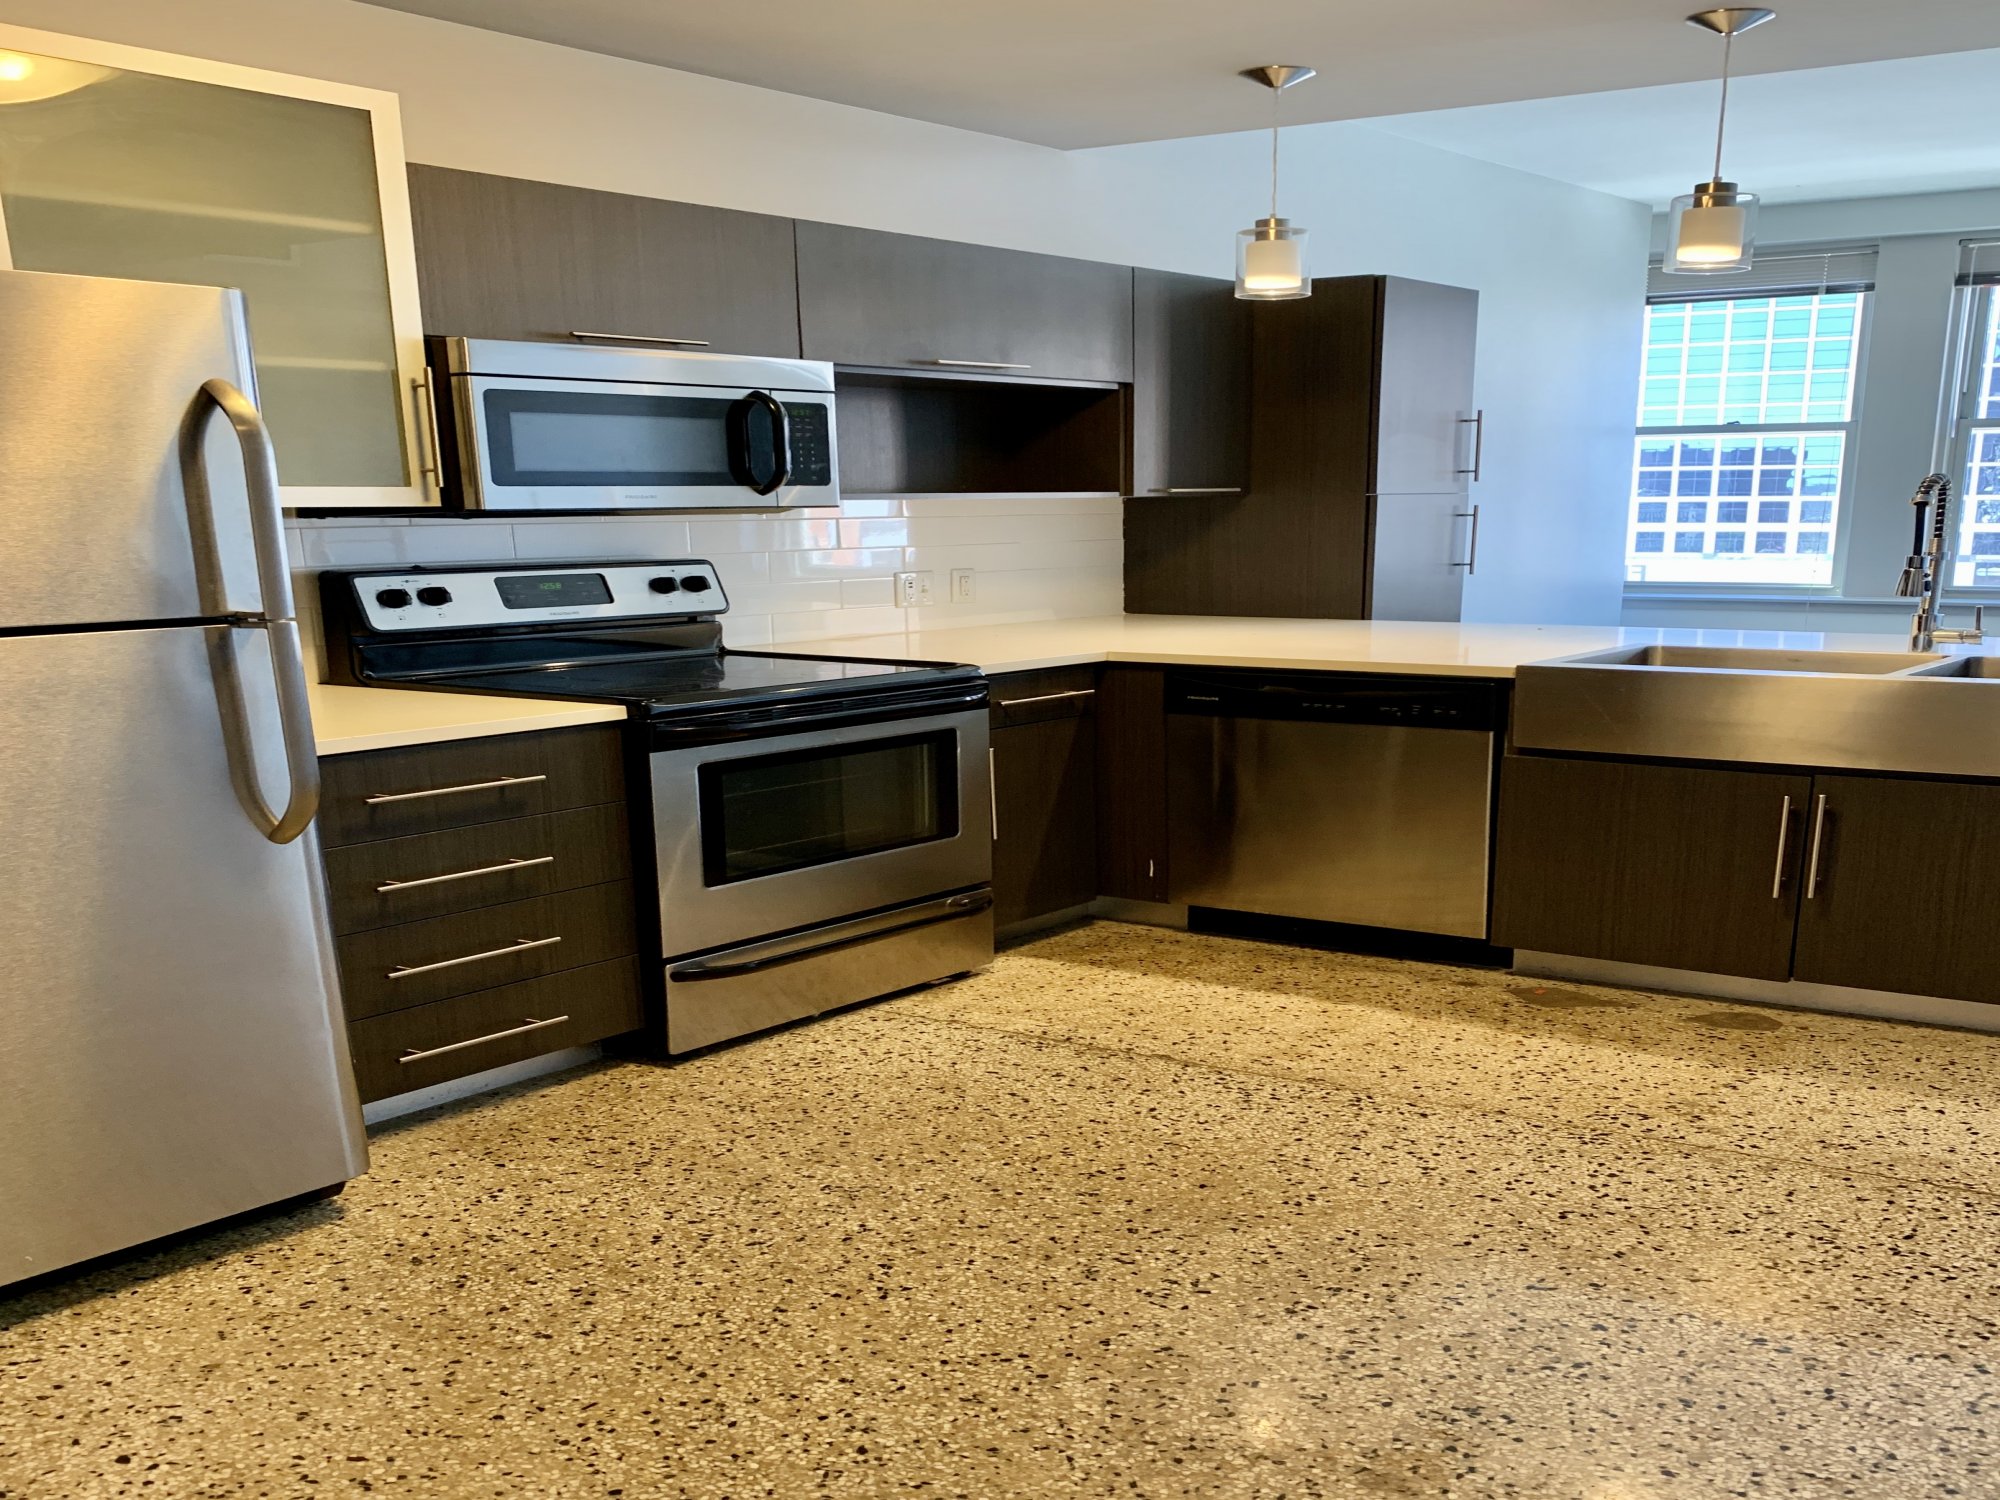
(820, 827)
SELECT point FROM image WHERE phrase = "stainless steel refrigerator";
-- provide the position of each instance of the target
(170, 1046)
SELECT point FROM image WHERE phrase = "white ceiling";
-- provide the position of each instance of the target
(1922, 124)
(1072, 73)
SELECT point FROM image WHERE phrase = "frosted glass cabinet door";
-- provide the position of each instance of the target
(115, 162)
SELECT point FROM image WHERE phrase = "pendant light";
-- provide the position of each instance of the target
(1714, 227)
(1271, 255)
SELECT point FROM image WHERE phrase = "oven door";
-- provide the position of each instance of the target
(566, 445)
(772, 835)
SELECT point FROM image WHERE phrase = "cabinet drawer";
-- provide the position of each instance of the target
(462, 869)
(1032, 697)
(393, 968)
(474, 1032)
(386, 794)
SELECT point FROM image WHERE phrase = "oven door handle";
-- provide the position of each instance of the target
(773, 953)
(781, 441)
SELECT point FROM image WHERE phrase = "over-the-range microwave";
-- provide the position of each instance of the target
(525, 426)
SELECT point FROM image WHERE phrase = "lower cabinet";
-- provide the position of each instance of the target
(1044, 793)
(1132, 783)
(1903, 889)
(1673, 866)
(1870, 882)
(482, 902)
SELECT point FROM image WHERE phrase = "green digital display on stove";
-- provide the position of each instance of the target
(552, 590)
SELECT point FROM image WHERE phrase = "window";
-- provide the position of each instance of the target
(1978, 438)
(1748, 396)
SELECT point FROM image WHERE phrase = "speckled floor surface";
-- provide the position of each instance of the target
(1136, 1214)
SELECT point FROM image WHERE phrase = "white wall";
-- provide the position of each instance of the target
(1559, 269)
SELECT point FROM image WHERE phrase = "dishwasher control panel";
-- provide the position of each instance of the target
(1336, 698)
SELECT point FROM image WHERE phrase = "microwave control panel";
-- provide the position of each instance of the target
(812, 454)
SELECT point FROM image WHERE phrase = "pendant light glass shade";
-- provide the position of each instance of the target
(1714, 228)
(1271, 262)
(1271, 254)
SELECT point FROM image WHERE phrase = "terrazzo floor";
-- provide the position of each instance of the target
(1137, 1213)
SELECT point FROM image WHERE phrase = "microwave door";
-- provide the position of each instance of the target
(531, 444)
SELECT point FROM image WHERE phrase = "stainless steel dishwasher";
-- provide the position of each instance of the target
(1365, 800)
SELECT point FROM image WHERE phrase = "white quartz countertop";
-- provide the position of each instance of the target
(1420, 647)
(350, 719)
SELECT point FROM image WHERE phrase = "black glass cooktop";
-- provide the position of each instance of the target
(670, 680)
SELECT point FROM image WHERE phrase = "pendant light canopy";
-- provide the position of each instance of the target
(1714, 227)
(1271, 254)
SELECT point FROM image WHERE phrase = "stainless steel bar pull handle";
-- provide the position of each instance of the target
(977, 364)
(500, 869)
(452, 791)
(1177, 489)
(993, 790)
(528, 1023)
(428, 466)
(1471, 563)
(274, 616)
(522, 945)
(637, 338)
(1046, 698)
(1784, 829)
(1819, 830)
(1477, 422)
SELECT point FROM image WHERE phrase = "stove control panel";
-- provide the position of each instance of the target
(474, 598)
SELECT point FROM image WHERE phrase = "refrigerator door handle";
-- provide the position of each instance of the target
(274, 621)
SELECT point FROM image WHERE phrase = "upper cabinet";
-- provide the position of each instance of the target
(1190, 386)
(119, 161)
(507, 258)
(890, 301)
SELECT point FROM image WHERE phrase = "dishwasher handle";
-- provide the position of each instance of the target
(1338, 698)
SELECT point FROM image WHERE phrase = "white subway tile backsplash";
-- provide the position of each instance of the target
(883, 531)
(607, 537)
(796, 576)
(867, 593)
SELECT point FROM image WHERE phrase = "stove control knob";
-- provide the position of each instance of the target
(665, 585)
(696, 584)
(393, 598)
(434, 595)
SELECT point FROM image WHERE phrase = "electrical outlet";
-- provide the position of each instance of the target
(962, 588)
(913, 589)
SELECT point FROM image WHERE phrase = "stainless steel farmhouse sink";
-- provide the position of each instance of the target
(1754, 659)
(1919, 712)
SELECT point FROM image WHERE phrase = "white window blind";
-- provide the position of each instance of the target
(1979, 263)
(1833, 269)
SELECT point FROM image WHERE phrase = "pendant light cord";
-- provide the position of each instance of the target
(1274, 153)
(1722, 115)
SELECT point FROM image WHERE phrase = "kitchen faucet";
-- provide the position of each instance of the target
(1923, 574)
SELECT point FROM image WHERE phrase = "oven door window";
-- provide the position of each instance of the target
(592, 439)
(766, 815)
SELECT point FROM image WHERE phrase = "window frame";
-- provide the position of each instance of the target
(1850, 429)
(1975, 321)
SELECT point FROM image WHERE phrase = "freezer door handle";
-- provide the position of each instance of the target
(274, 620)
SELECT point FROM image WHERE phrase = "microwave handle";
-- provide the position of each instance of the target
(781, 441)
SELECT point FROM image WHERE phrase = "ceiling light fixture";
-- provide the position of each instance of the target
(1271, 255)
(1714, 227)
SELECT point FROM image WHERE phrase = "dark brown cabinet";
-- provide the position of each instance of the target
(1672, 866)
(1190, 386)
(1132, 783)
(481, 894)
(507, 258)
(1902, 887)
(1363, 441)
(1044, 793)
(891, 301)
